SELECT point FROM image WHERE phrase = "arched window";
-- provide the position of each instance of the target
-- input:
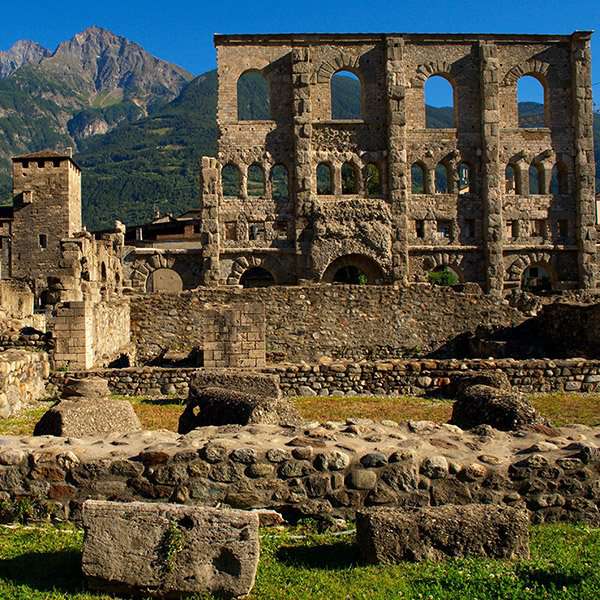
(349, 179)
(530, 102)
(324, 179)
(417, 177)
(535, 179)
(464, 178)
(280, 182)
(439, 103)
(354, 269)
(346, 98)
(257, 277)
(373, 184)
(559, 184)
(231, 181)
(441, 179)
(253, 100)
(256, 181)
(103, 273)
(510, 180)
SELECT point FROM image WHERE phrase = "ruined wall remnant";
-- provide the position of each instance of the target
(305, 323)
(23, 377)
(268, 217)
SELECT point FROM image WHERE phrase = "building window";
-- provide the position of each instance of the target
(40, 164)
(417, 176)
(441, 179)
(563, 229)
(373, 181)
(536, 179)
(56, 163)
(231, 181)
(531, 102)
(420, 228)
(324, 179)
(280, 182)
(43, 241)
(464, 178)
(349, 179)
(254, 231)
(256, 181)
(444, 230)
(439, 103)
(512, 229)
(253, 97)
(510, 181)
(231, 231)
(346, 96)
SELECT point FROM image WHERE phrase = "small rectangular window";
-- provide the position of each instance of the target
(231, 231)
(444, 230)
(563, 228)
(56, 163)
(40, 164)
(43, 241)
(420, 228)
(253, 231)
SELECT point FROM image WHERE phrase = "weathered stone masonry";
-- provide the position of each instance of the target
(333, 469)
(392, 236)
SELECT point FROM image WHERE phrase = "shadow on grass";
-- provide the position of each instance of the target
(330, 557)
(45, 571)
(163, 401)
(549, 578)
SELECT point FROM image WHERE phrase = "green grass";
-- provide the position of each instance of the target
(298, 563)
(560, 408)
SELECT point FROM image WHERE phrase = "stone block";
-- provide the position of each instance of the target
(390, 535)
(169, 550)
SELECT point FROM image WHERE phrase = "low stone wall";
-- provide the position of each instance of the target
(315, 470)
(23, 378)
(307, 322)
(391, 377)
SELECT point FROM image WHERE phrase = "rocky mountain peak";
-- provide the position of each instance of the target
(22, 52)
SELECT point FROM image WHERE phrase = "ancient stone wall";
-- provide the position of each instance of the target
(305, 323)
(23, 377)
(347, 378)
(487, 225)
(328, 470)
(88, 334)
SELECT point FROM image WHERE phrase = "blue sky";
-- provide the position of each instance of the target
(181, 32)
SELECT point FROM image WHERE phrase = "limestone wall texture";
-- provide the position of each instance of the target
(314, 470)
(23, 377)
(305, 323)
(340, 378)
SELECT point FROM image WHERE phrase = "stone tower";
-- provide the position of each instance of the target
(47, 209)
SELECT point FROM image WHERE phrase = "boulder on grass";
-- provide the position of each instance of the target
(390, 535)
(169, 550)
(502, 409)
(219, 406)
(88, 417)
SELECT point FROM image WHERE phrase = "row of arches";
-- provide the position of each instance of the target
(536, 178)
(349, 179)
(254, 182)
(520, 179)
(348, 102)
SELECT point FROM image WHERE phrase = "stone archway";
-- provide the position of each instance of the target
(353, 269)
(439, 260)
(519, 264)
(243, 264)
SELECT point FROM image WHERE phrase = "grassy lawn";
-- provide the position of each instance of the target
(44, 564)
(560, 408)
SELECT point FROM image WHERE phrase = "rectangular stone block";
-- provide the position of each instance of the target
(168, 550)
(389, 535)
